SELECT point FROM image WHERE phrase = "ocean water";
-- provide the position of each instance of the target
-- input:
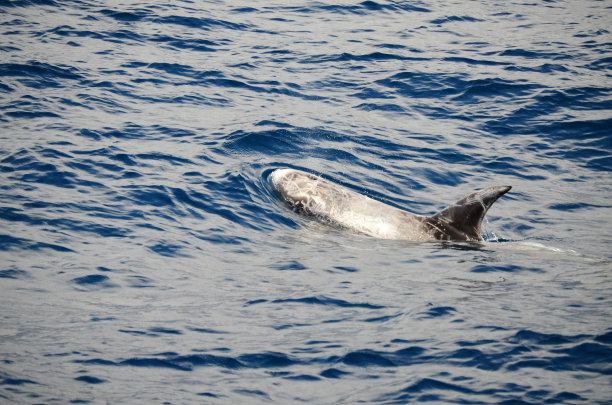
(145, 257)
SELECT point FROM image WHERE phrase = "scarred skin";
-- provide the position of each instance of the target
(331, 202)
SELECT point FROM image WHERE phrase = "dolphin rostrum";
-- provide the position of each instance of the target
(331, 202)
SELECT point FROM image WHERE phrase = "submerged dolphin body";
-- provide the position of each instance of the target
(315, 196)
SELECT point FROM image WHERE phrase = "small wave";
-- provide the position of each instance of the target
(201, 23)
(14, 273)
(16, 381)
(322, 300)
(90, 379)
(369, 57)
(8, 242)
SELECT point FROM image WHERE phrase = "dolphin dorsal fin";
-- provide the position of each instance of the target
(462, 220)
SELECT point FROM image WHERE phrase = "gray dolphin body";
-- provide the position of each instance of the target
(331, 202)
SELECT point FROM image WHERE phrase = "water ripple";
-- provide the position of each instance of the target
(141, 231)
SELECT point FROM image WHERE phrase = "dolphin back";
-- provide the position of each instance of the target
(333, 203)
(462, 220)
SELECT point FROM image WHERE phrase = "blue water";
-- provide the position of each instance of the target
(145, 258)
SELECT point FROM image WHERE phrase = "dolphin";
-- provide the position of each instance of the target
(338, 205)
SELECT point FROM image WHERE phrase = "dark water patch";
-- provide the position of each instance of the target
(457, 86)
(207, 394)
(527, 54)
(217, 238)
(382, 318)
(17, 215)
(135, 131)
(322, 300)
(16, 381)
(435, 389)
(439, 176)
(255, 302)
(605, 338)
(27, 3)
(363, 8)
(156, 363)
(194, 44)
(576, 353)
(334, 373)
(471, 61)
(194, 199)
(169, 249)
(38, 70)
(29, 107)
(181, 70)
(265, 360)
(259, 87)
(165, 331)
(562, 354)
(140, 282)
(476, 343)
(125, 16)
(98, 319)
(488, 268)
(135, 332)
(290, 265)
(206, 330)
(32, 114)
(346, 269)
(455, 18)
(428, 384)
(106, 103)
(233, 197)
(68, 31)
(122, 36)
(272, 123)
(482, 89)
(241, 10)
(582, 140)
(577, 98)
(90, 379)
(5, 87)
(202, 23)
(8, 242)
(266, 142)
(435, 312)
(273, 142)
(188, 362)
(543, 68)
(367, 358)
(588, 356)
(20, 160)
(156, 196)
(585, 357)
(14, 273)
(118, 36)
(380, 107)
(92, 281)
(163, 157)
(53, 177)
(368, 93)
(601, 64)
(350, 57)
(252, 393)
(565, 207)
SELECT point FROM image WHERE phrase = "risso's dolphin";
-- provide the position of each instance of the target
(331, 202)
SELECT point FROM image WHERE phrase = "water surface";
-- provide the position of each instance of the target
(146, 258)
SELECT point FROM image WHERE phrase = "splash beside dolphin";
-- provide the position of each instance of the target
(331, 202)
